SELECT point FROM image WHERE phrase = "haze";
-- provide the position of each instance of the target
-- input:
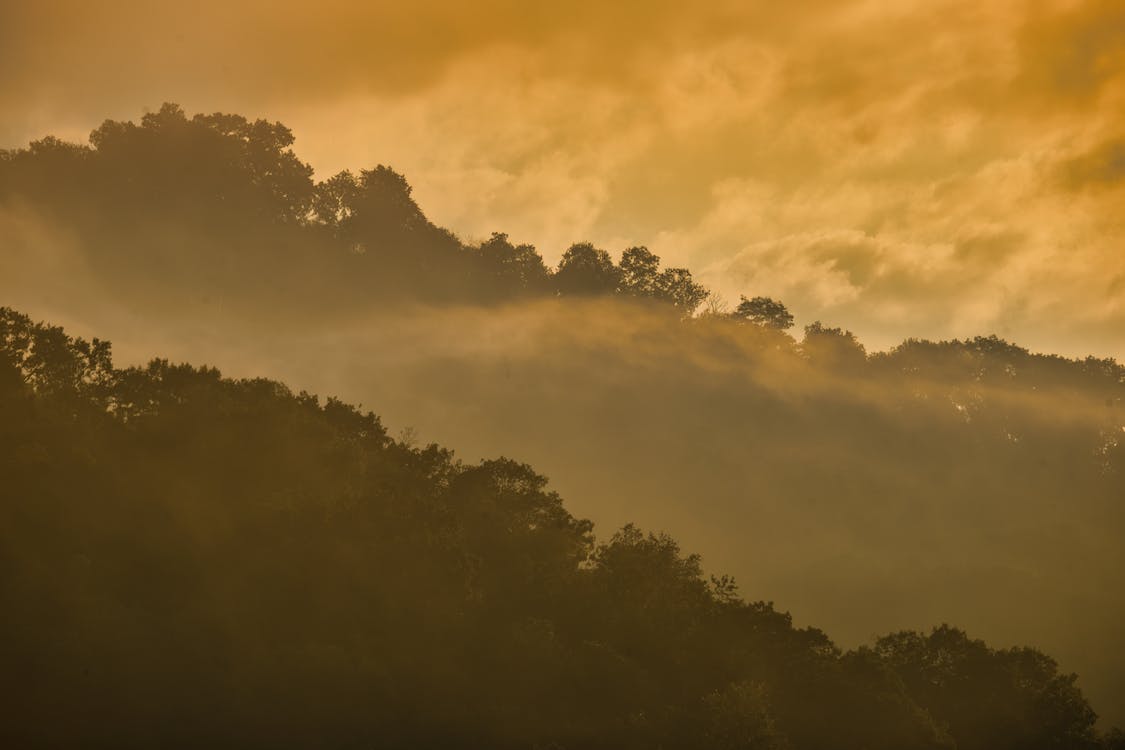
(830, 292)
(930, 169)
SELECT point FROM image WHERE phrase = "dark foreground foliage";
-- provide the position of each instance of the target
(187, 560)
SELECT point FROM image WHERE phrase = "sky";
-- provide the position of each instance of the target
(931, 169)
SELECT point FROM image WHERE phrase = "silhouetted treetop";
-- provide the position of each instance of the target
(585, 271)
(988, 698)
(765, 312)
(219, 158)
(640, 276)
(224, 202)
(516, 269)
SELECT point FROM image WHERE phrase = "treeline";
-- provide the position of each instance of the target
(189, 557)
(219, 209)
(190, 560)
(222, 206)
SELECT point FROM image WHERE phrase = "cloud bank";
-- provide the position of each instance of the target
(929, 168)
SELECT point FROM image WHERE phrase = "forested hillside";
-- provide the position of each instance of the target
(218, 209)
(191, 560)
(293, 566)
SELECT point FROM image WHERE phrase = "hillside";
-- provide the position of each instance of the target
(191, 559)
(971, 481)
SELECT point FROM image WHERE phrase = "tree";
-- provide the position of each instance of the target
(832, 347)
(990, 699)
(335, 199)
(676, 287)
(221, 163)
(383, 207)
(764, 311)
(641, 277)
(739, 718)
(640, 269)
(164, 528)
(585, 270)
(512, 269)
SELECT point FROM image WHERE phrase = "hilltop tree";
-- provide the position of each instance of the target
(641, 277)
(832, 347)
(990, 699)
(223, 164)
(514, 270)
(764, 311)
(585, 270)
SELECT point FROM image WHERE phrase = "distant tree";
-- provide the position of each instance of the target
(1114, 739)
(832, 347)
(383, 207)
(585, 270)
(335, 199)
(641, 277)
(677, 287)
(219, 163)
(512, 269)
(715, 306)
(640, 270)
(376, 215)
(764, 311)
(990, 699)
(739, 718)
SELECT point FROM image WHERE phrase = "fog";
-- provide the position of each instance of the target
(965, 482)
(862, 497)
(905, 169)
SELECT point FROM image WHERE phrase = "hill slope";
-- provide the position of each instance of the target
(190, 559)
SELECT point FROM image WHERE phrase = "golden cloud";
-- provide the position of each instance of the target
(857, 159)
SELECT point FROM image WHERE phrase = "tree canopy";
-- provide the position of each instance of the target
(191, 559)
(764, 312)
(185, 556)
(249, 209)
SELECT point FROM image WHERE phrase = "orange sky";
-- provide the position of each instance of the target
(940, 168)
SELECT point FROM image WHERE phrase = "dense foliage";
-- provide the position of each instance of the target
(189, 559)
(214, 200)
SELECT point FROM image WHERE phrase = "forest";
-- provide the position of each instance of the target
(189, 557)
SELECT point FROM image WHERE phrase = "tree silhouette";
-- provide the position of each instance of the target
(515, 270)
(764, 311)
(1012, 698)
(586, 270)
(833, 347)
(641, 277)
(187, 557)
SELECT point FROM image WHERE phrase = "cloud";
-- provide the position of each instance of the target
(1102, 166)
(892, 167)
(1074, 53)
